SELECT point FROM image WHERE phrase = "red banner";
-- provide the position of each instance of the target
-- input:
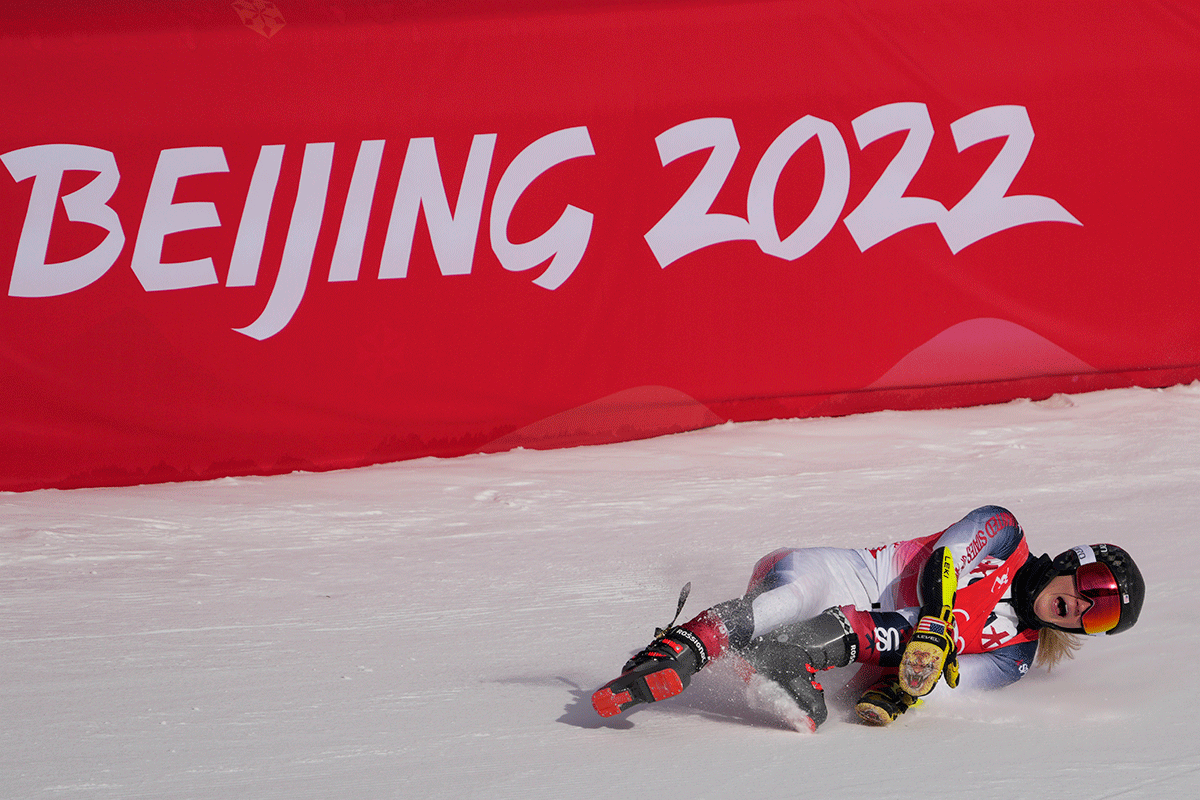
(250, 237)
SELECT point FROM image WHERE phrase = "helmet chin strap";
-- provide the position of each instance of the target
(1080, 631)
(1028, 583)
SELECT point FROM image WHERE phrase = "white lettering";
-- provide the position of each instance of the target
(760, 203)
(567, 239)
(162, 216)
(348, 253)
(296, 263)
(887, 639)
(689, 225)
(986, 209)
(421, 186)
(31, 275)
(885, 211)
(252, 230)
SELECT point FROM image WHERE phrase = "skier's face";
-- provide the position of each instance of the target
(1060, 604)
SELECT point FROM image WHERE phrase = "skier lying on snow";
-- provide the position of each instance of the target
(970, 603)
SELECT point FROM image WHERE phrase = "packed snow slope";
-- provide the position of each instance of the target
(433, 629)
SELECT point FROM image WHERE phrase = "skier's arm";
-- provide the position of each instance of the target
(986, 531)
(997, 668)
(931, 650)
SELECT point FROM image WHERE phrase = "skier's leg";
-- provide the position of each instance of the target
(665, 667)
(800, 584)
(796, 585)
(793, 654)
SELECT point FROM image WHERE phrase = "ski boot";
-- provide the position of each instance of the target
(884, 702)
(793, 655)
(662, 669)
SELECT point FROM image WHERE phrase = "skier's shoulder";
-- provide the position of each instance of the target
(993, 517)
(987, 531)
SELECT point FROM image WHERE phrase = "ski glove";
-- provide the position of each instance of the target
(931, 651)
(930, 654)
(884, 702)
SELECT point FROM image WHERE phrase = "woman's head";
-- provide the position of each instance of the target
(1090, 589)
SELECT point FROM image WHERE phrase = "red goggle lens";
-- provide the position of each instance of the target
(1096, 582)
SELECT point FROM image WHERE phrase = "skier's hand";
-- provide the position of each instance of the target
(929, 654)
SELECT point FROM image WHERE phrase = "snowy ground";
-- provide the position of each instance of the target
(433, 629)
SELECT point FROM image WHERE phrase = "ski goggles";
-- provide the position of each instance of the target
(1096, 582)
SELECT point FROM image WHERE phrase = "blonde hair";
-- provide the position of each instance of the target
(1054, 645)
